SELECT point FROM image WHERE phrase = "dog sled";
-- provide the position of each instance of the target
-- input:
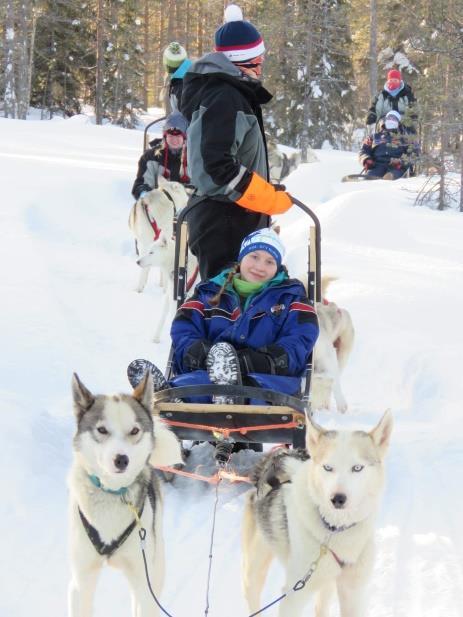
(278, 418)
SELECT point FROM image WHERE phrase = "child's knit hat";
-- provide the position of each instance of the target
(263, 240)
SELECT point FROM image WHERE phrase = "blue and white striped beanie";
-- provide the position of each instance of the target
(263, 240)
(238, 39)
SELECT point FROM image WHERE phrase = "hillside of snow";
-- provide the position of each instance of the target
(68, 304)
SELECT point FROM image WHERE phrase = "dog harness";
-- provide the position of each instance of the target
(107, 550)
(152, 221)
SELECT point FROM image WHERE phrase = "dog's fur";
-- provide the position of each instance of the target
(281, 164)
(299, 505)
(158, 252)
(104, 426)
(331, 352)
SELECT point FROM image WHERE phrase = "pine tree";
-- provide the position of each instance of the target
(61, 54)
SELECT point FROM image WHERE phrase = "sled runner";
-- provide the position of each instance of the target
(278, 417)
(357, 178)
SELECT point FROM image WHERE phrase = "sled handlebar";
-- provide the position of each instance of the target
(314, 256)
(145, 132)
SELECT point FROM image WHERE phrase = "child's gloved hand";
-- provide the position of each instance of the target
(194, 357)
(368, 163)
(252, 361)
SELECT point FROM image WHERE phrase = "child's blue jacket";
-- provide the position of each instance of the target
(277, 317)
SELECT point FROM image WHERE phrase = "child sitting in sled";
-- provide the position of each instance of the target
(390, 152)
(249, 325)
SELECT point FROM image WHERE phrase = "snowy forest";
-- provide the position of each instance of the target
(325, 61)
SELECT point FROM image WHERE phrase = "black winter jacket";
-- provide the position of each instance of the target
(226, 141)
(151, 165)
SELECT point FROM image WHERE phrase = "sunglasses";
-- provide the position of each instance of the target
(174, 132)
(255, 62)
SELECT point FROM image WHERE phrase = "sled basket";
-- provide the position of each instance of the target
(278, 418)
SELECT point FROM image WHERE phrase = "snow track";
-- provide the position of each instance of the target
(68, 305)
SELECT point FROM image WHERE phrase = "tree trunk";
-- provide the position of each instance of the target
(99, 64)
(9, 97)
(22, 59)
(146, 45)
(373, 47)
(307, 81)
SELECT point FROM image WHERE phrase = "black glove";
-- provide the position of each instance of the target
(253, 361)
(194, 357)
(278, 357)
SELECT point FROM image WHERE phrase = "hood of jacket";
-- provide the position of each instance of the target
(210, 71)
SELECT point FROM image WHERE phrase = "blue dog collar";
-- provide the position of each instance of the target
(95, 480)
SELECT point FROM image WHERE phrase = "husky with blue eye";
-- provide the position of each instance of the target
(116, 443)
(316, 511)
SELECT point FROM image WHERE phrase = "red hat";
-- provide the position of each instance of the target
(394, 74)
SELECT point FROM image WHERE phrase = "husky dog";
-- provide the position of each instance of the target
(151, 222)
(116, 440)
(317, 516)
(281, 164)
(331, 352)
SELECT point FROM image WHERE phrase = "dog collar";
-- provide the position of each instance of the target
(333, 528)
(95, 480)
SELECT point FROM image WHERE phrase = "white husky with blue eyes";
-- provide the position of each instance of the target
(316, 514)
(116, 442)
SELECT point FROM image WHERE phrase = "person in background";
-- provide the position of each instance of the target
(166, 157)
(390, 151)
(395, 96)
(222, 98)
(176, 63)
(250, 324)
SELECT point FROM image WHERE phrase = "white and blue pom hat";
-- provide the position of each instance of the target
(238, 39)
(263, 240)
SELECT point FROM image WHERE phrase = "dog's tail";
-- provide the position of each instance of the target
(326, 282)
(133, 216)
(345, 341)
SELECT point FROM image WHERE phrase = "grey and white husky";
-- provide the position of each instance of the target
(116, 442)
(317, 513)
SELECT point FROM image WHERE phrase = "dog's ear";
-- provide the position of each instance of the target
(83, 398)
(144, 391)
(381, 434)
(313, 434)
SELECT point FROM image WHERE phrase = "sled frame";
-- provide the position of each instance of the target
(279, 408)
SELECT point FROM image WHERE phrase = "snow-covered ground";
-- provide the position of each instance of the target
(68, 305)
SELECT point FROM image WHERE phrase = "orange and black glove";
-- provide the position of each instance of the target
(261, 196)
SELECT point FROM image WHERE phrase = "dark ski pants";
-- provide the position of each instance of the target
(380, 169)
(216, 230)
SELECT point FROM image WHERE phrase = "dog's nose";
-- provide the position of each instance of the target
(121, 461)
(338, 500)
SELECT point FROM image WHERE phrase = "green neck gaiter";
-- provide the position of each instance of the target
(246, 288)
